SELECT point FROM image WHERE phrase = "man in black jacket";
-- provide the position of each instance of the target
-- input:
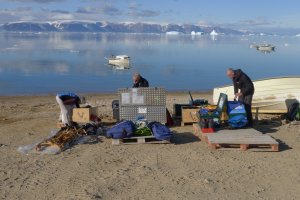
(243, 83)
(139, 81)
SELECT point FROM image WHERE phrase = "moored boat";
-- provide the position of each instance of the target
(272, 95)
(266, 48)
(120, 59)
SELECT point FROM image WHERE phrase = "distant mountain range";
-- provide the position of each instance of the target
(83, 26)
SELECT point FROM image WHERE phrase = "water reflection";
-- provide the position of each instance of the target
(179, 62)
(124, 66)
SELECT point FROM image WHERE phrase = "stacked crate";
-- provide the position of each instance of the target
(143, 103)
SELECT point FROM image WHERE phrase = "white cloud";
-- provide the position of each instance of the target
(27, 18)
(107, 9)
(35, 1)
(290, 21)
(62, 17)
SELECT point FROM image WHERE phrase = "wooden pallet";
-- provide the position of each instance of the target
(242, 139)
(139, 140)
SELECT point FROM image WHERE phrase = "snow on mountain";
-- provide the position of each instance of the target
(126, 27)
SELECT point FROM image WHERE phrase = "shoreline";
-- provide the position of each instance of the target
(168, 92)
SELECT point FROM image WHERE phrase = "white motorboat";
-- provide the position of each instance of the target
(118, 60)
(266, 48)
(272, 95)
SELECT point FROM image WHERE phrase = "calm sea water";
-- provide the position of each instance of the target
(48, 63)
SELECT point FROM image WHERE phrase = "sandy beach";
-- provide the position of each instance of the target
(186, 169)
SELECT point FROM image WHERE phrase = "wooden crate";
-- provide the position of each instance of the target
(242, 139)
(83, 115)
(189, 114)
(139, 140)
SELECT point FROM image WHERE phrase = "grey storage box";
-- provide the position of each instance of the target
(147, 103)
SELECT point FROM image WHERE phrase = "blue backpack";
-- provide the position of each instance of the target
(237, 114)
(160, 132)
(123, 129)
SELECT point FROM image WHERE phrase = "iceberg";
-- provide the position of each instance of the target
(196, 33)
(214, 33)
(173, 33)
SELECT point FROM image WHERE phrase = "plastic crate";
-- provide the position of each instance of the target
(207, 130)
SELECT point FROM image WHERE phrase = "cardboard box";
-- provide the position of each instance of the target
(177, 109)
(189, 114)
(83, 115)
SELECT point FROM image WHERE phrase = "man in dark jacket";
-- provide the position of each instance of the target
(243, 90)
(139, 81)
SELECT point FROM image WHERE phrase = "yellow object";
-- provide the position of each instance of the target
(211, 107)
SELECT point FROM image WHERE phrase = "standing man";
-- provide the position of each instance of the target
(139, 81)
(67, 101)
(243, 83)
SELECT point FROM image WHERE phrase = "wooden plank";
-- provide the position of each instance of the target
(244, 147)
(241, 141)
(186, 123)
(197, 129)
(252, 149)
(240, 131)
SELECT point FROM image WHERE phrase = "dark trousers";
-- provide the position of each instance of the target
(247, 101)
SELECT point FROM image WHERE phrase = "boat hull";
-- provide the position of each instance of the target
(272, 95)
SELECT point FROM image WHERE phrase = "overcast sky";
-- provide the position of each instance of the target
(239, 14)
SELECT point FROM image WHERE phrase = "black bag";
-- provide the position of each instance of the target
(292, 111)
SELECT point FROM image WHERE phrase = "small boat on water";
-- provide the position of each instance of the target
(272, 95)
(266, 48)
(118, 60)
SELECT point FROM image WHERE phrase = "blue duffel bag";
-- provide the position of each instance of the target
(160, 132)
(237, 114)
(123, 129)
(237, 121)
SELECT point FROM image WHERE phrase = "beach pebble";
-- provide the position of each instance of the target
(207, 180)
(3, 145)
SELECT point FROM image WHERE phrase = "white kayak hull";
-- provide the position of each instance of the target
(272, 95)
(116, 62)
